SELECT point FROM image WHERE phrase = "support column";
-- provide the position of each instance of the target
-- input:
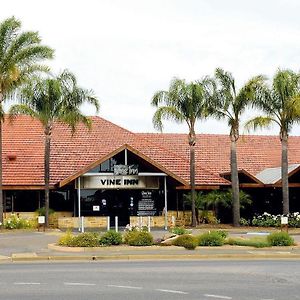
(166, 203)
(79, 204)
(126, 158)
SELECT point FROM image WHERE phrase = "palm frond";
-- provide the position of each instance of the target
(259, 122)
(167, 113)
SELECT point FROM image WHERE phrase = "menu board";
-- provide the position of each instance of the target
(146, 204)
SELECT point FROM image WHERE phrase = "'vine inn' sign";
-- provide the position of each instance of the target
(124, 177)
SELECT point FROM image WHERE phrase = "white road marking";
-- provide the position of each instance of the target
(171, 291)
(267, 299)
(27, 283)
(125, 286)
(217, 296)
(79, 283)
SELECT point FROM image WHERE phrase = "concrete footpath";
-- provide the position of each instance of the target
(16, 246)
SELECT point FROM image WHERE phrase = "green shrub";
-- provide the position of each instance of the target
(244, 222)
(213, 238)
(138, 238)
(223, 234)
(187, 241)
(111, 238)
(42, 211)
(280, 239)
(179, 230)
(257, 242)
(66, 239)
(15, 222)
(87, 239)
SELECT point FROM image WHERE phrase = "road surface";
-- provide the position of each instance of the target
(207, 280)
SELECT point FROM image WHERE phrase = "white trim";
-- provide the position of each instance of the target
(112, 174)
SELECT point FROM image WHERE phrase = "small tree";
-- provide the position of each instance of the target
(182, 103)
(227, 103)
(281, 104)
(20, 57)
(50, 100)
(216, 199)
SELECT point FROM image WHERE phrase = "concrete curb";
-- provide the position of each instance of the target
(156, 257)
(162, 248)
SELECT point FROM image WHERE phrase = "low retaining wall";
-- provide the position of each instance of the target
(91, 222)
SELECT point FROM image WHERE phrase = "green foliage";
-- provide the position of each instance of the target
(21, 54)
(111, 238)
(187, 241)
(224, 198)
(266, 220)
(42, 211)
(212, 238)
(86, 239)
(257, 242)
(244, 222)
(66, 239)
(199, 203)
(179, 230)
(138, 238)
(15, 222)
(280, 239)
(269, 220)
(222, 233)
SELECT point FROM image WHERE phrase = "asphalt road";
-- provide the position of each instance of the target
(263, 280)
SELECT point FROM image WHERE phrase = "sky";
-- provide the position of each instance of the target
(126, 50)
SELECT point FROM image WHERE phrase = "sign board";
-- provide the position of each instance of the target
(284, 221)
(41, 219)
(146, 204)
(126, 170)
(96, 208)
(118, 182)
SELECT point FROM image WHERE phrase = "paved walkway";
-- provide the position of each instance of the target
(34, 245)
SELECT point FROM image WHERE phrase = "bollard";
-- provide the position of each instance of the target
(173, 220)
(116, 223)
(82, 224)
(140, 224)
(108, 223)
(149, 223)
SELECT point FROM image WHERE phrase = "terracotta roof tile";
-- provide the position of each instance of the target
(72, 153)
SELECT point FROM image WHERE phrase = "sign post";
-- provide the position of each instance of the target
(41, 222)
(284, 223)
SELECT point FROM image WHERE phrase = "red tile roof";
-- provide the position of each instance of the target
(72, 155)
(255, 152)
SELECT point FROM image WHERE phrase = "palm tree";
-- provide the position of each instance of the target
(20, 55)
(219, 198)
(281, 104)
(50, 100)
(183, 102)
(228, 103)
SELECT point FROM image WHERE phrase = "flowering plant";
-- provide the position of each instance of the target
(135, 227)
(15, 222)
(269, 220)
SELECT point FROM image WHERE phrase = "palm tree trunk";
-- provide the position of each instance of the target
(284, 173)
(1, 179)
(47, 171)
(192, 180)
(234, 184)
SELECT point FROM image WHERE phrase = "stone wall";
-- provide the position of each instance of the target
(89, 222)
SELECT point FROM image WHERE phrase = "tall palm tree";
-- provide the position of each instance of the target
(229, 104)
(183, 102)
(50, 100)
(281, 104)
(20, 55)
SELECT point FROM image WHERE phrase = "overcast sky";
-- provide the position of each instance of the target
(125, 50)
